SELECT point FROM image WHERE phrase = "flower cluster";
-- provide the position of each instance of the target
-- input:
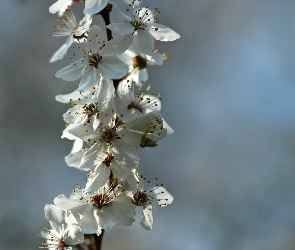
(112, 115)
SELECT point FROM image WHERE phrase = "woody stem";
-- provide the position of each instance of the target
(98, 240)
(105, 14)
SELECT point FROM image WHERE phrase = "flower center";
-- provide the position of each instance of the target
(133, 105)
(100, 200)
(109, 135)
(139, 62)
(94, 59)
(90, 110)
(139, 198)
(61, 244)
(138, 25)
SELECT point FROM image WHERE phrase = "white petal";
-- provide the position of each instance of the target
(123, 210)
(104, 93)
(99, 178)
(73, 235)
(71, 219)
(117, 45)
(65, 203)
(72, 72)
(83, 25)
(148, 219)
(95, 123)
(163, 196)
(155, 58)
(131, 115)
(46, 235)
(55, 216)
(143, 41)
(124, 94)
(84, 132)
(121, 28)
(75, 95)
(126, 159)
(60, 53)
(94, 40)
(122, 17)
(139, 76)
(89, 222)
(112, 67)
(74, 159)
(161, 32)
(108, 116)
(104, 218)
(74, 115)
(95, 155)
(127, 57)
(68, 135)
(94, 6)
(169, 129)
(77, 146)
(90, 78)
(60, 6)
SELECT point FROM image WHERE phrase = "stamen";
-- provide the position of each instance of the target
(94, 60)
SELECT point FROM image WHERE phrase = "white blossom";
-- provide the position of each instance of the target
(138, 103)
(93, 108)
(103, 160)
(62, 235)
(112, 147)
(143, 28)
(98, 60)
(98, 210)
(128, 98)
(68, 26)
(149, 196)
(138, 63)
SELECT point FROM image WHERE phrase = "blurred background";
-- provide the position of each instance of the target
(229, 94)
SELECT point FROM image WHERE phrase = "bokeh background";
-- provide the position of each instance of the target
(228, 92)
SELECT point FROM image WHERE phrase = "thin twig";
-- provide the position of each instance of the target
(98, 240)
(105, 14)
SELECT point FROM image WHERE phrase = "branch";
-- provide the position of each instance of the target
(105, 14)
(98, 240)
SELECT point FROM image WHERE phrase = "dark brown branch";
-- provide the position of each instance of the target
(105, 14)
(98, 240)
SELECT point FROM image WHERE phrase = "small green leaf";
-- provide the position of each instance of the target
(147, 143)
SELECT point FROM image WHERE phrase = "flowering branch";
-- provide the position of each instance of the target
(112, 114)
